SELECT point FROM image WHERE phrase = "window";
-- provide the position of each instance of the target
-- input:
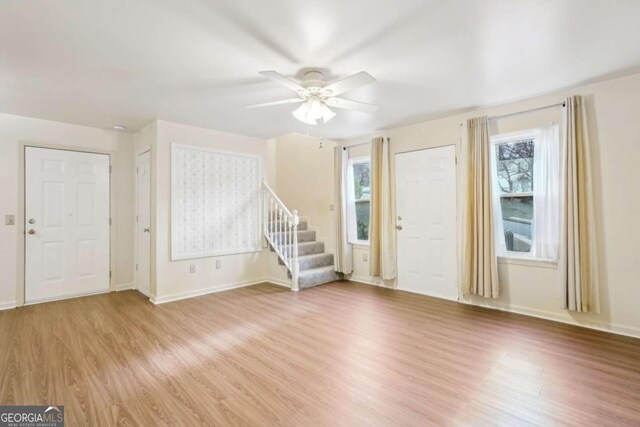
(527, 193)
(359, 196)
(514, 177)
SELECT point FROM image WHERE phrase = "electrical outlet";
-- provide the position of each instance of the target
(192, 268)
(218, 264)
(364, 257)
(9, 220)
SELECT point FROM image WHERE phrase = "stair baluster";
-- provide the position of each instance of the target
(295, 270)
(280, 229)
(287, 242)
(271, 217)
(281, 232)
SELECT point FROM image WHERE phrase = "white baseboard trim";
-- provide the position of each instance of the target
(125, 287)
(279, 282)
(204, 291)
(628, 331)
(65, 297)
(143, 293)
(380, 284)
(361, 279)
(368, 281)
(8, 305)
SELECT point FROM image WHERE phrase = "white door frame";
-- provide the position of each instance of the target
(20, 215)
(135, 279)
(457, 205)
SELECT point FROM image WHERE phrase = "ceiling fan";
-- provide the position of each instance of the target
(316, 95)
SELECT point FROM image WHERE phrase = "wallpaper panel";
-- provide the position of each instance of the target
(215, 199)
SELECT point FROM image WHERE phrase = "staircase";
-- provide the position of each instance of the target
(305, 258)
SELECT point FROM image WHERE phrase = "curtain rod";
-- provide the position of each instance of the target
(362, 143)
(355, 145)
(527, 111)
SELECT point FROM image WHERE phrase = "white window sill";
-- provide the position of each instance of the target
(529, 262)
(360, 245)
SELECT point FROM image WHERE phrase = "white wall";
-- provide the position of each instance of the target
(304, 180)
(15, 131)
(301, 174)
(172, 278)
(613, 111)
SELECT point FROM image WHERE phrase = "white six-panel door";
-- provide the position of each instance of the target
(426, 222)
(66, 224)
(143, 223)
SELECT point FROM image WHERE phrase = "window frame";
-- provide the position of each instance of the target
(495, 142)
(351, 201)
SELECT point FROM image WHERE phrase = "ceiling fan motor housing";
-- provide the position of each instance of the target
(313, 80)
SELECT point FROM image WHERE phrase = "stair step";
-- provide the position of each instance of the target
(303, 236)
(307, 248)
(317, 276)
(307, 262)
(302, 225)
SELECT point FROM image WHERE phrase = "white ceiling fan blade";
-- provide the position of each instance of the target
(350, 83)
(345, 104)
(269, 104)
(284, 81)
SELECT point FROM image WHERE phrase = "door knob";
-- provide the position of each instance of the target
(399, 227)
(32, 221)
(32, 231)
(146, 230)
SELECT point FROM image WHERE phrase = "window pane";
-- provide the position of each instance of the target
(515, 166)
(362, 219)
(517, 219)
(361, 181)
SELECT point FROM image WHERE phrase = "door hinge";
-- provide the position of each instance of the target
(456, 160)
(110, 168)
(109, 274)
(137, 170)
(110, 221)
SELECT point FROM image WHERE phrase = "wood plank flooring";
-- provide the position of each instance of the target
(343, 354)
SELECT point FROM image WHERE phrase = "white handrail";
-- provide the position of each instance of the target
(280, 228)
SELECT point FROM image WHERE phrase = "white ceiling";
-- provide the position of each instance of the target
(106, 62)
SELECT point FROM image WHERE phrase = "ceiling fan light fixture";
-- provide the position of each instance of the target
(316, 96)
(302, 114)
(327, 113)
(313, 110)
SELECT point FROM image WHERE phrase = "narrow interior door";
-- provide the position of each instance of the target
(66, 224)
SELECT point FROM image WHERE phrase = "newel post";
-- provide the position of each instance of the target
(295, 268)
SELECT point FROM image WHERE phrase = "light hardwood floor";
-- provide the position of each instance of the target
(340, 354)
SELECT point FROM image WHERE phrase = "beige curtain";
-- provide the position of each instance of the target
(382, 255)
(577, 264)
(480, 265)
(343, 256)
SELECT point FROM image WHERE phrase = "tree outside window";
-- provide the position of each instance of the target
(362, 193)
(514, 164)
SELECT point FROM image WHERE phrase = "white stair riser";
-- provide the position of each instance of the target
(311, 278)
